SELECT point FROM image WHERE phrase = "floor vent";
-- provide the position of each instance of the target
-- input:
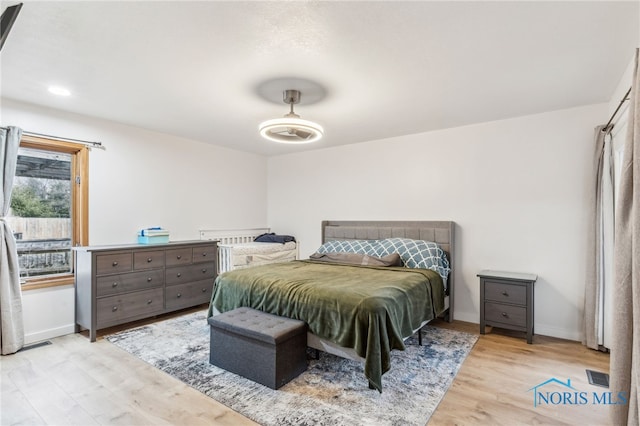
(598, 379)
(35, 345)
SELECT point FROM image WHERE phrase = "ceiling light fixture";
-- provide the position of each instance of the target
(60, 91)
(291, 129)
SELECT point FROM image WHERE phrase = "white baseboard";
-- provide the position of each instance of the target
(467, 317)
(561, 333)
(541, 329)
(49, 334)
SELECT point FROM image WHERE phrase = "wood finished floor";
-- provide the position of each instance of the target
(74, 382)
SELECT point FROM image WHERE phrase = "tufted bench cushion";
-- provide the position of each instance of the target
(262, 347)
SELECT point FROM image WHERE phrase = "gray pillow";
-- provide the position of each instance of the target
(392, 259)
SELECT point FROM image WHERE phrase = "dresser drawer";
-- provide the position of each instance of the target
(507, 293)
(498, 314)
(184, 295)
(148, 259)
(180, 256)
(205, 253)
(113, 263)
(115, 309)
(195, 272)
(123, 283)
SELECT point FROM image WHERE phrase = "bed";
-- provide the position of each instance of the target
(237, 248)
(357, 311)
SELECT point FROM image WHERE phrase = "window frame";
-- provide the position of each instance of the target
(79, 203)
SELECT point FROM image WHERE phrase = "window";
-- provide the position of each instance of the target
(48, 213)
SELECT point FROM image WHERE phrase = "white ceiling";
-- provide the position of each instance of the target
(198, 69)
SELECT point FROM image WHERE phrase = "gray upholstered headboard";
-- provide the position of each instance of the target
(441, 232)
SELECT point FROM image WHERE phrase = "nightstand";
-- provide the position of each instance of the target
(506, 301)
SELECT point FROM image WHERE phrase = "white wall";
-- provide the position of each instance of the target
(142, 179)
(516, 188)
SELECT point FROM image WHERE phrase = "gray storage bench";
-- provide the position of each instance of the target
(262, 347)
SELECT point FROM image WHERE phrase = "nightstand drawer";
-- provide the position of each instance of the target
(498, 314)
(507, 293)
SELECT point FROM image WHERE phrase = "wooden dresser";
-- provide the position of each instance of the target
(119, 284)
(506, 301)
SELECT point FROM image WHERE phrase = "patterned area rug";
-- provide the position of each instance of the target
(333, 391)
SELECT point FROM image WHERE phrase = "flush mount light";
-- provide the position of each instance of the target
(60, 91)
(291, 129)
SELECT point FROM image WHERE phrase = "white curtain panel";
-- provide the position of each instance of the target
(11, 321)
(625, 348)
(599, 278)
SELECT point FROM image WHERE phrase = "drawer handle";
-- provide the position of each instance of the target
(115, 263)
(114, 285)
(149, 279)
(204, 254)
(115, 308)
(204, 270)
(504, 293)
(179, 294)
(204, 290)
(149, 260)
(179, 274)
(504, 314)
(149, 302)
(178, 257)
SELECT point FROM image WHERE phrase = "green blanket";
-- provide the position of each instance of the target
(369, 309)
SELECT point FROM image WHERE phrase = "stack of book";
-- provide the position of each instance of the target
(155, 235)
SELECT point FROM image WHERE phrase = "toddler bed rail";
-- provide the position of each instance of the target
(237, 249)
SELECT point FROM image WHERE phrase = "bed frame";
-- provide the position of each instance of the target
(441, 232)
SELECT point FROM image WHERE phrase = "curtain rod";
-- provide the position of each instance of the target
(608, 127)
(93, 144)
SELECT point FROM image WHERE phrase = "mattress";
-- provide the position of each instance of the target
(244, 255)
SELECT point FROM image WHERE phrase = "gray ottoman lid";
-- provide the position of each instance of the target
(258, 325)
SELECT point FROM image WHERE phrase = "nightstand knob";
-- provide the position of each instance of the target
(149, 259)
(115, 308)
(179, 294)
(114, 264)
(204, 271)
(204, 290)
(178, 257)
(149, 302)
(114, 285)
(504, 314)
(504, 293)
(149, 279)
